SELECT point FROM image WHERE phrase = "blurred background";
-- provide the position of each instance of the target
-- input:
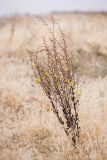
(9, 7)
(29, 129)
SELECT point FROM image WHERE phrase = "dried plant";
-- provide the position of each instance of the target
(54, 71)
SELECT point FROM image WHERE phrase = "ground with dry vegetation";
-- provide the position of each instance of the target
(28, 128)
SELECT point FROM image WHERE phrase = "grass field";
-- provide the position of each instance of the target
(29, 130)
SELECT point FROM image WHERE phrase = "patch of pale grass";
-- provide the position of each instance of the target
(10, 100)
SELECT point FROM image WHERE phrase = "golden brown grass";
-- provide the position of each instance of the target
(28, 128)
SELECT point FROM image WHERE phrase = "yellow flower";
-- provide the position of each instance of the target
(67, 69)
(46, 74)
(68, 81)
(78, 92)
(36, 65)
(65, 95)
(38, 80)
(49, 109)
(58, 84)
(79, 85)
(71, 84)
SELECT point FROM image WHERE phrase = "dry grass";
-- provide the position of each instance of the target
(28, 128)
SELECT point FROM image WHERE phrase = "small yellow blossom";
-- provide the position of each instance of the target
(71, 84)
(37, 80)
(67, 69)
(58, 84)
(68, 81)
(65, 95)
(36, 65)
(46, 74)
(78, 92)
(49, 109)
(79, 85)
